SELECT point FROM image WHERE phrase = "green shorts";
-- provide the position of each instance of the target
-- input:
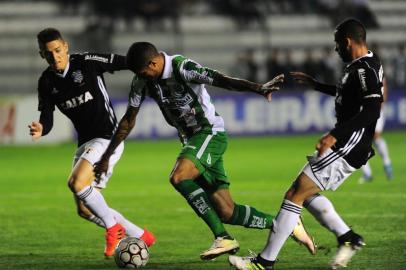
(206, 151)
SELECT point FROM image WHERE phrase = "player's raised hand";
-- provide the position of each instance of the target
(303, 78)
(35, 130)
(272, 86)
(325, 142)
(100, 168)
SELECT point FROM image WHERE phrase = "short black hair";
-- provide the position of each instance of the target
(352, 28)
(140, 54)
(48, 35)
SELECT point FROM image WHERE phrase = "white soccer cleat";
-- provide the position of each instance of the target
(342, 257)
(346, 251)
(301, 236)
(220, 247)
(248, 263)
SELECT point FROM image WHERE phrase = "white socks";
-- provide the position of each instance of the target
(366, 171)
(94, 200)
(383, 150)
(323, 210)
(130, 228)
(283, 226)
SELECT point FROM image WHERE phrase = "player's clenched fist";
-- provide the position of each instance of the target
(35, 130)
(100, 168)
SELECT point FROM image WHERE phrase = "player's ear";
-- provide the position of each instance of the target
(66, 46)
(348, 42)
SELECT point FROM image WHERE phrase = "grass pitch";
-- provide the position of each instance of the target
(39, 228)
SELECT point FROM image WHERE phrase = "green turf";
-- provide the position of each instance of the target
(39, 228)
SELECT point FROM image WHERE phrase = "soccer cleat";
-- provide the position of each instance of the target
(388, 171)
(365, 179)
(250, 262)
(113, 236)
(148, 238)
(346, 250)
(220, 246)
(301, 236)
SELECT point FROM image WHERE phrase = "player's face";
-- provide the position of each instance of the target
(56, 54)
(342, 48)
(150, 72)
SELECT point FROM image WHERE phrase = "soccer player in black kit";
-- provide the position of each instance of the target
(348, 146)
(75, 84)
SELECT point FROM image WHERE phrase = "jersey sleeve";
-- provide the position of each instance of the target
(45, 103)
(106, 62)
(137, 92)
(191, 71)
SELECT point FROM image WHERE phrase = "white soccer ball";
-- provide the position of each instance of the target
(131, 252)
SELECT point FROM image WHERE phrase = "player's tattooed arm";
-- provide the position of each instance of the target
(125, 126)
(242, 85)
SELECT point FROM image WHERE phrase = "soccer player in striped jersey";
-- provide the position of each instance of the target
(74, 83)
(177, 84)
(348, 146)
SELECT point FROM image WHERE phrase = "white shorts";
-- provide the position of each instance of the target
(329, 171)
(381, 122)
(92, 152)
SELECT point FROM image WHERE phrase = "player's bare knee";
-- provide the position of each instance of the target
(76, 184)
(176, 178)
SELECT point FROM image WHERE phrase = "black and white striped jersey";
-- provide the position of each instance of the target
(359, 95)
(80, 93)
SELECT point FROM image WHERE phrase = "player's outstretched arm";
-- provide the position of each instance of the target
(125, 126)
(307, 80)
(241, 85)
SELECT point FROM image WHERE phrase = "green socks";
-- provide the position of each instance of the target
(250, 217)
(198, 200)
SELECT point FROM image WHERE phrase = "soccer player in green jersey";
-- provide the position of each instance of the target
(177, 84)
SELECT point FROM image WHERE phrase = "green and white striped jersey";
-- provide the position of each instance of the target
(181, 95)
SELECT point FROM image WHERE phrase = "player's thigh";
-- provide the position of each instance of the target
(82, 175)
(184, 169)
(205, 150)
(92, 152)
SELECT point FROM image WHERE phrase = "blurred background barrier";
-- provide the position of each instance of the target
(289, 113)
(254, 39)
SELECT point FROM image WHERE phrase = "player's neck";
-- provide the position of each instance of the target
(359, 52)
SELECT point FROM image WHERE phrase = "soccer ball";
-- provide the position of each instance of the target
(131, 252)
